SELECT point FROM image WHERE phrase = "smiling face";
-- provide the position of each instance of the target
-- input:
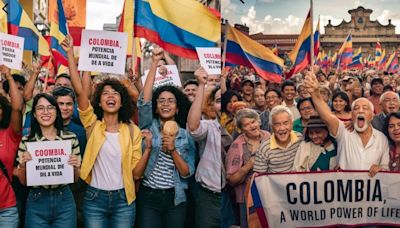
(190, 91)
(394, 129)
(318, 135)
(250, 127)
(110, 100)
(339, 104)
(289, 92)
(390, 102)
(306, 110)
(259, 98)
(166, 106)
(45, 113)
(361, 114)
(66, 105)
(272, 99)
(282, 125)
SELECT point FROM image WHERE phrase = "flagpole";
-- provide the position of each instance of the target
(225, 43)
(312, 37)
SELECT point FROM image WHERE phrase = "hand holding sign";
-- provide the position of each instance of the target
(67, 43)
(24, 158)
(74, 161)
(6, 72)
(201, 76)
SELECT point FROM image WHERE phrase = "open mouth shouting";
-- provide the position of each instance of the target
(360, 124)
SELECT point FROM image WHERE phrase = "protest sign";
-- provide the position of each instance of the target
(210, 59)
(103, 51)
(49, 163)
(165, 76)
(329, 198)
(12, 48)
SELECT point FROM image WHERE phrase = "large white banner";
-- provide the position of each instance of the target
(330, 198)
(103, 51)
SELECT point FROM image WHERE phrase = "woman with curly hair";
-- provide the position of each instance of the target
(161, 197)
(113, 156)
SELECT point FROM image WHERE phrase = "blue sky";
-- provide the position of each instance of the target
(287, 16)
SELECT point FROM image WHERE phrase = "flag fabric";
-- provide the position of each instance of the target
(356, 61)
(382, 62)
(178, 26)
(58, 32)
(275, 50)
(19, 24)
(256, 217)
(242, 50)
(346, 52)
(378, 52)
(392, 65)
(300, 55)
(317, 40)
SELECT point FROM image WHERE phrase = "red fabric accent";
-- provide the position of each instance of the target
(76, 33)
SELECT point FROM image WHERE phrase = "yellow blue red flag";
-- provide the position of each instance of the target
(58, 32)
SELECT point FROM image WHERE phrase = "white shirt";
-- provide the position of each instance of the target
(293, 109)
(107, 169)
(354, 156)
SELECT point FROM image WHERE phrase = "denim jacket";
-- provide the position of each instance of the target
(184, 144)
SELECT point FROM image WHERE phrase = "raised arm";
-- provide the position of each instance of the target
(194, 115)
(148, 85)
(224, 76)
(87, 84)
(168, 59)
(16, 101)
(30, 84)
(83, 101)
(312, 86)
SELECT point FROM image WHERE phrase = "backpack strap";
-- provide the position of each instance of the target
(4, 171)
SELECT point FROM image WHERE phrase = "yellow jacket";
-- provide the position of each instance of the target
(131, 148)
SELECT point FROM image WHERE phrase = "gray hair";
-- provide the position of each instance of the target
(363, 98)
(279, 109)
(386, 93)
(246, 113)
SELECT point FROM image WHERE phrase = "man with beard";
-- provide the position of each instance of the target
(365, 148)
(390, 102)
(190, 89)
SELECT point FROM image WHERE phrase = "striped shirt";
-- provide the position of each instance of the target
(62, 135)
(271, 158)
(162, 176)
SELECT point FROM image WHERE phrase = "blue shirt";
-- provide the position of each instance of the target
(184, 144)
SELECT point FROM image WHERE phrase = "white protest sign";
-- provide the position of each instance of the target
(210, 59)
(49, 165)
(103, 51)
(329, 198)
(165, 76)
(12, 49)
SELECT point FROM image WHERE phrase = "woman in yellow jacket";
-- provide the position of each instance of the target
(113, 158)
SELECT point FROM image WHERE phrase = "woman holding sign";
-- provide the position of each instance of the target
(10, 135)
(48, 204)
(161, 197)
(113, 157)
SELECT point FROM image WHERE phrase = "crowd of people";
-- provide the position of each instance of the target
(318, 120)
(129, 167)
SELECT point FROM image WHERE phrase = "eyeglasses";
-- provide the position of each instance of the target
(306, 108)
(42, 108)
(166, 101)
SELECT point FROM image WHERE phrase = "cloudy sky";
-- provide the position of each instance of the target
(99, 12)
(287, 16)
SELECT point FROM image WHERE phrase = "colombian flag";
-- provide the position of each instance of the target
(392, 65)
(300, 55)
(19, 24)
(317, 40)
(255, 212)
(178, 26)
(378, 52)
(242, 50)
(384, 58)
(346, 51)
(356, 62)
(58, 32)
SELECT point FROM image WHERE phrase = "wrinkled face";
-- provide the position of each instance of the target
(390, 103)
(361, 115)
(247, 88)
(377, 88)
(217, 102)
(288, 93)
(250, 127)
(190, 91)
(213, 80)
(45, 113)
(66, 105)
(110, 100)
(272, 99)
(62, 81)
(282, 126)
(318, 135)
(303, 92)
(339, 104)
(394, 129)
(229, 105)
(306, 110)
(166, 105)
(259, 98)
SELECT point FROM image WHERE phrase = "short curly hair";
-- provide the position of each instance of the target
(127, 106)
(182, 102)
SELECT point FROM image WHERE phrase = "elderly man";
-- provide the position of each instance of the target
(389, 102)
(364, 148)
(278, 152)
